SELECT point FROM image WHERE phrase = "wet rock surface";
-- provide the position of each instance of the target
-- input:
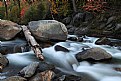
(43, 66)
(15, 78)
(60, 48)
(8, 29)
(95, 53)
(43, 76)
(17, 45)
(103, 41)
(48, 30)
(3, 62)
(29, 70)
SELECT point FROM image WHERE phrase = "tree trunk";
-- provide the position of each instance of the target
(6, 9)
(74, 5)
(35, 46)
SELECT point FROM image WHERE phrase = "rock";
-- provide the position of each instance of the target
(43, 76)
(43, 66)
(66, 20)
(69, 26)
(29, 70)
(48, 30)
(14, 46)
(78, 18)
(8, 29)
(60, 48)
(67, 78)
(81, 31)
(118, 27)
(117, 69)
(95, 53)
(78, 39)
(3, 61)
(73, 38)
(72, 78)
(88, 16)
(71, 30)
(103, 41)
(15, 78)
(110, 20)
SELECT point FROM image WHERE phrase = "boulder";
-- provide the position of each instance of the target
(118, 27)
(71, 30)
(88, 16)
(14, 46)
(3, 61)
(81, 31)
(43, 66)
(77, 19)
(66, 20)
(43, 76)
(8, 29)
(45, 30)
(29, 70)
(110, 20)
(103, 41)
(78, 39)
(95, 53)
(15, 78)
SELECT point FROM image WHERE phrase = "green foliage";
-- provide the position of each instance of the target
(2, 12)
(36, 11)
(13, 13)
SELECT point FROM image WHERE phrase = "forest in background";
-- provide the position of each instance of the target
(23, 11)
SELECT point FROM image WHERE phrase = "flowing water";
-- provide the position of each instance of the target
(66, 61)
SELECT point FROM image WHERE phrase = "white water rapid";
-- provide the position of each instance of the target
(66, 61)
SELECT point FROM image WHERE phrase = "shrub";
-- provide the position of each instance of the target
(36, 11)
(2, 12)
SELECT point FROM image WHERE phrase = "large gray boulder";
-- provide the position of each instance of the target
(48, 30)
(8, 29)
(95, 53)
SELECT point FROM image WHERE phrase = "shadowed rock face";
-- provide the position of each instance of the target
(8, 29)
(95, 53)
(48, 30)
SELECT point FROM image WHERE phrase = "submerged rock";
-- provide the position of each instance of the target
(3, 61)
(48, 30)
(29, 70)
(103, 41)
(8, 29)
(60, 48)
(95, 53)
(15, 78)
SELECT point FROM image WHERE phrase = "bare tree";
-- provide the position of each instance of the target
(74, 5)
(6, 9)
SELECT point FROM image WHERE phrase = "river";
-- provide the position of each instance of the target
(99, 71)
